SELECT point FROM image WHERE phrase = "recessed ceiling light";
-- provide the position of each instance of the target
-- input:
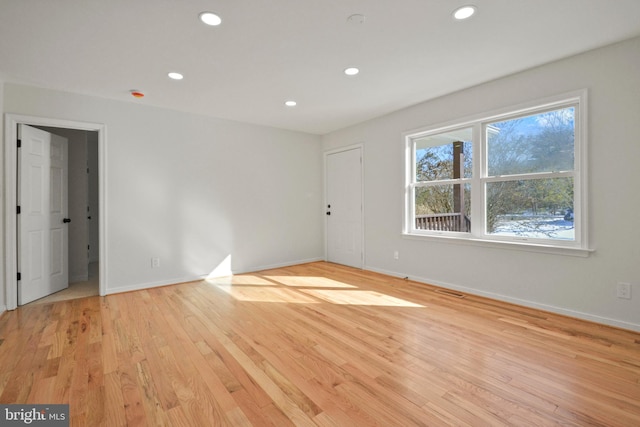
(290, 103)
(175, 76)
(351, 71)
(210, 18)
(464, 12)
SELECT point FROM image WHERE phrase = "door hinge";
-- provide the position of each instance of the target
(19, 143)
(19, 277)
(18, 210)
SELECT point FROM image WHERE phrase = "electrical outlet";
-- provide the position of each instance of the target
(624, 290)
(396, 255)
(155, 262)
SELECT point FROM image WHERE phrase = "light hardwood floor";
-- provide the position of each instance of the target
(316, 344)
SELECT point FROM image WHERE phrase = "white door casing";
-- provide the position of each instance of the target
(43, 199)
(11, 124)
(344, 207)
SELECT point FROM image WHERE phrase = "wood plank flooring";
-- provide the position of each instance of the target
(316, 345)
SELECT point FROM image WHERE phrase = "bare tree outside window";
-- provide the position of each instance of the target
(527, 151)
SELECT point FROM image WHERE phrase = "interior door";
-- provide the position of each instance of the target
(344, 207)
(43, 237)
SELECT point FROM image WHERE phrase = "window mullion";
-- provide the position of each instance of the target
(524, 176)
(477, 186)
(410, 186)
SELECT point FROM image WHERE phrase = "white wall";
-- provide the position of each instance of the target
(581, 287)
(194, 190)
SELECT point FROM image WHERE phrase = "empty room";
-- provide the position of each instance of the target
(369, 213)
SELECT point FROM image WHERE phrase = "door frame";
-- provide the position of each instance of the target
(11, 191)
(327, 153)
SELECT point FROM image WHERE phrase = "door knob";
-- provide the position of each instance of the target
(66, 220)
(328, 213)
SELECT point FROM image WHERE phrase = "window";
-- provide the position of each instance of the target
(442, 189)
(511, 177)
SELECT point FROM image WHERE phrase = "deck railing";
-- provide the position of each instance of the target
(443, 222)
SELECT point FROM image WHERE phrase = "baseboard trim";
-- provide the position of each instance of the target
(148, 285)
(279, 265)
(79, 278)
(517, 301)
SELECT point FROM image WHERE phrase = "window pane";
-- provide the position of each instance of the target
(446, 155)
(538, 143)
(536, 208)
(438, 207)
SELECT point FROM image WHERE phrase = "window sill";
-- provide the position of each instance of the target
(505, 245)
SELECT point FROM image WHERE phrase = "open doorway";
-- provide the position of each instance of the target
(83, 212)
(90, 157)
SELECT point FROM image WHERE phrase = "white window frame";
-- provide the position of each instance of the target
(478, 236)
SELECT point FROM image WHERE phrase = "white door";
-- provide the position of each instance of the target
(344, 207)
(43, 237)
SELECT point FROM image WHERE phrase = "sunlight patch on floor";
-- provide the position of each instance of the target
(243, 280)
(354, 297)
(309, 281)
(265, 294)
(302, 290)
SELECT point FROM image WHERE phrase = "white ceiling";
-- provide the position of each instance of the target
(269, 51)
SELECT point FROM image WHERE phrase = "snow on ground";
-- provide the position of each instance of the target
(539, 227)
